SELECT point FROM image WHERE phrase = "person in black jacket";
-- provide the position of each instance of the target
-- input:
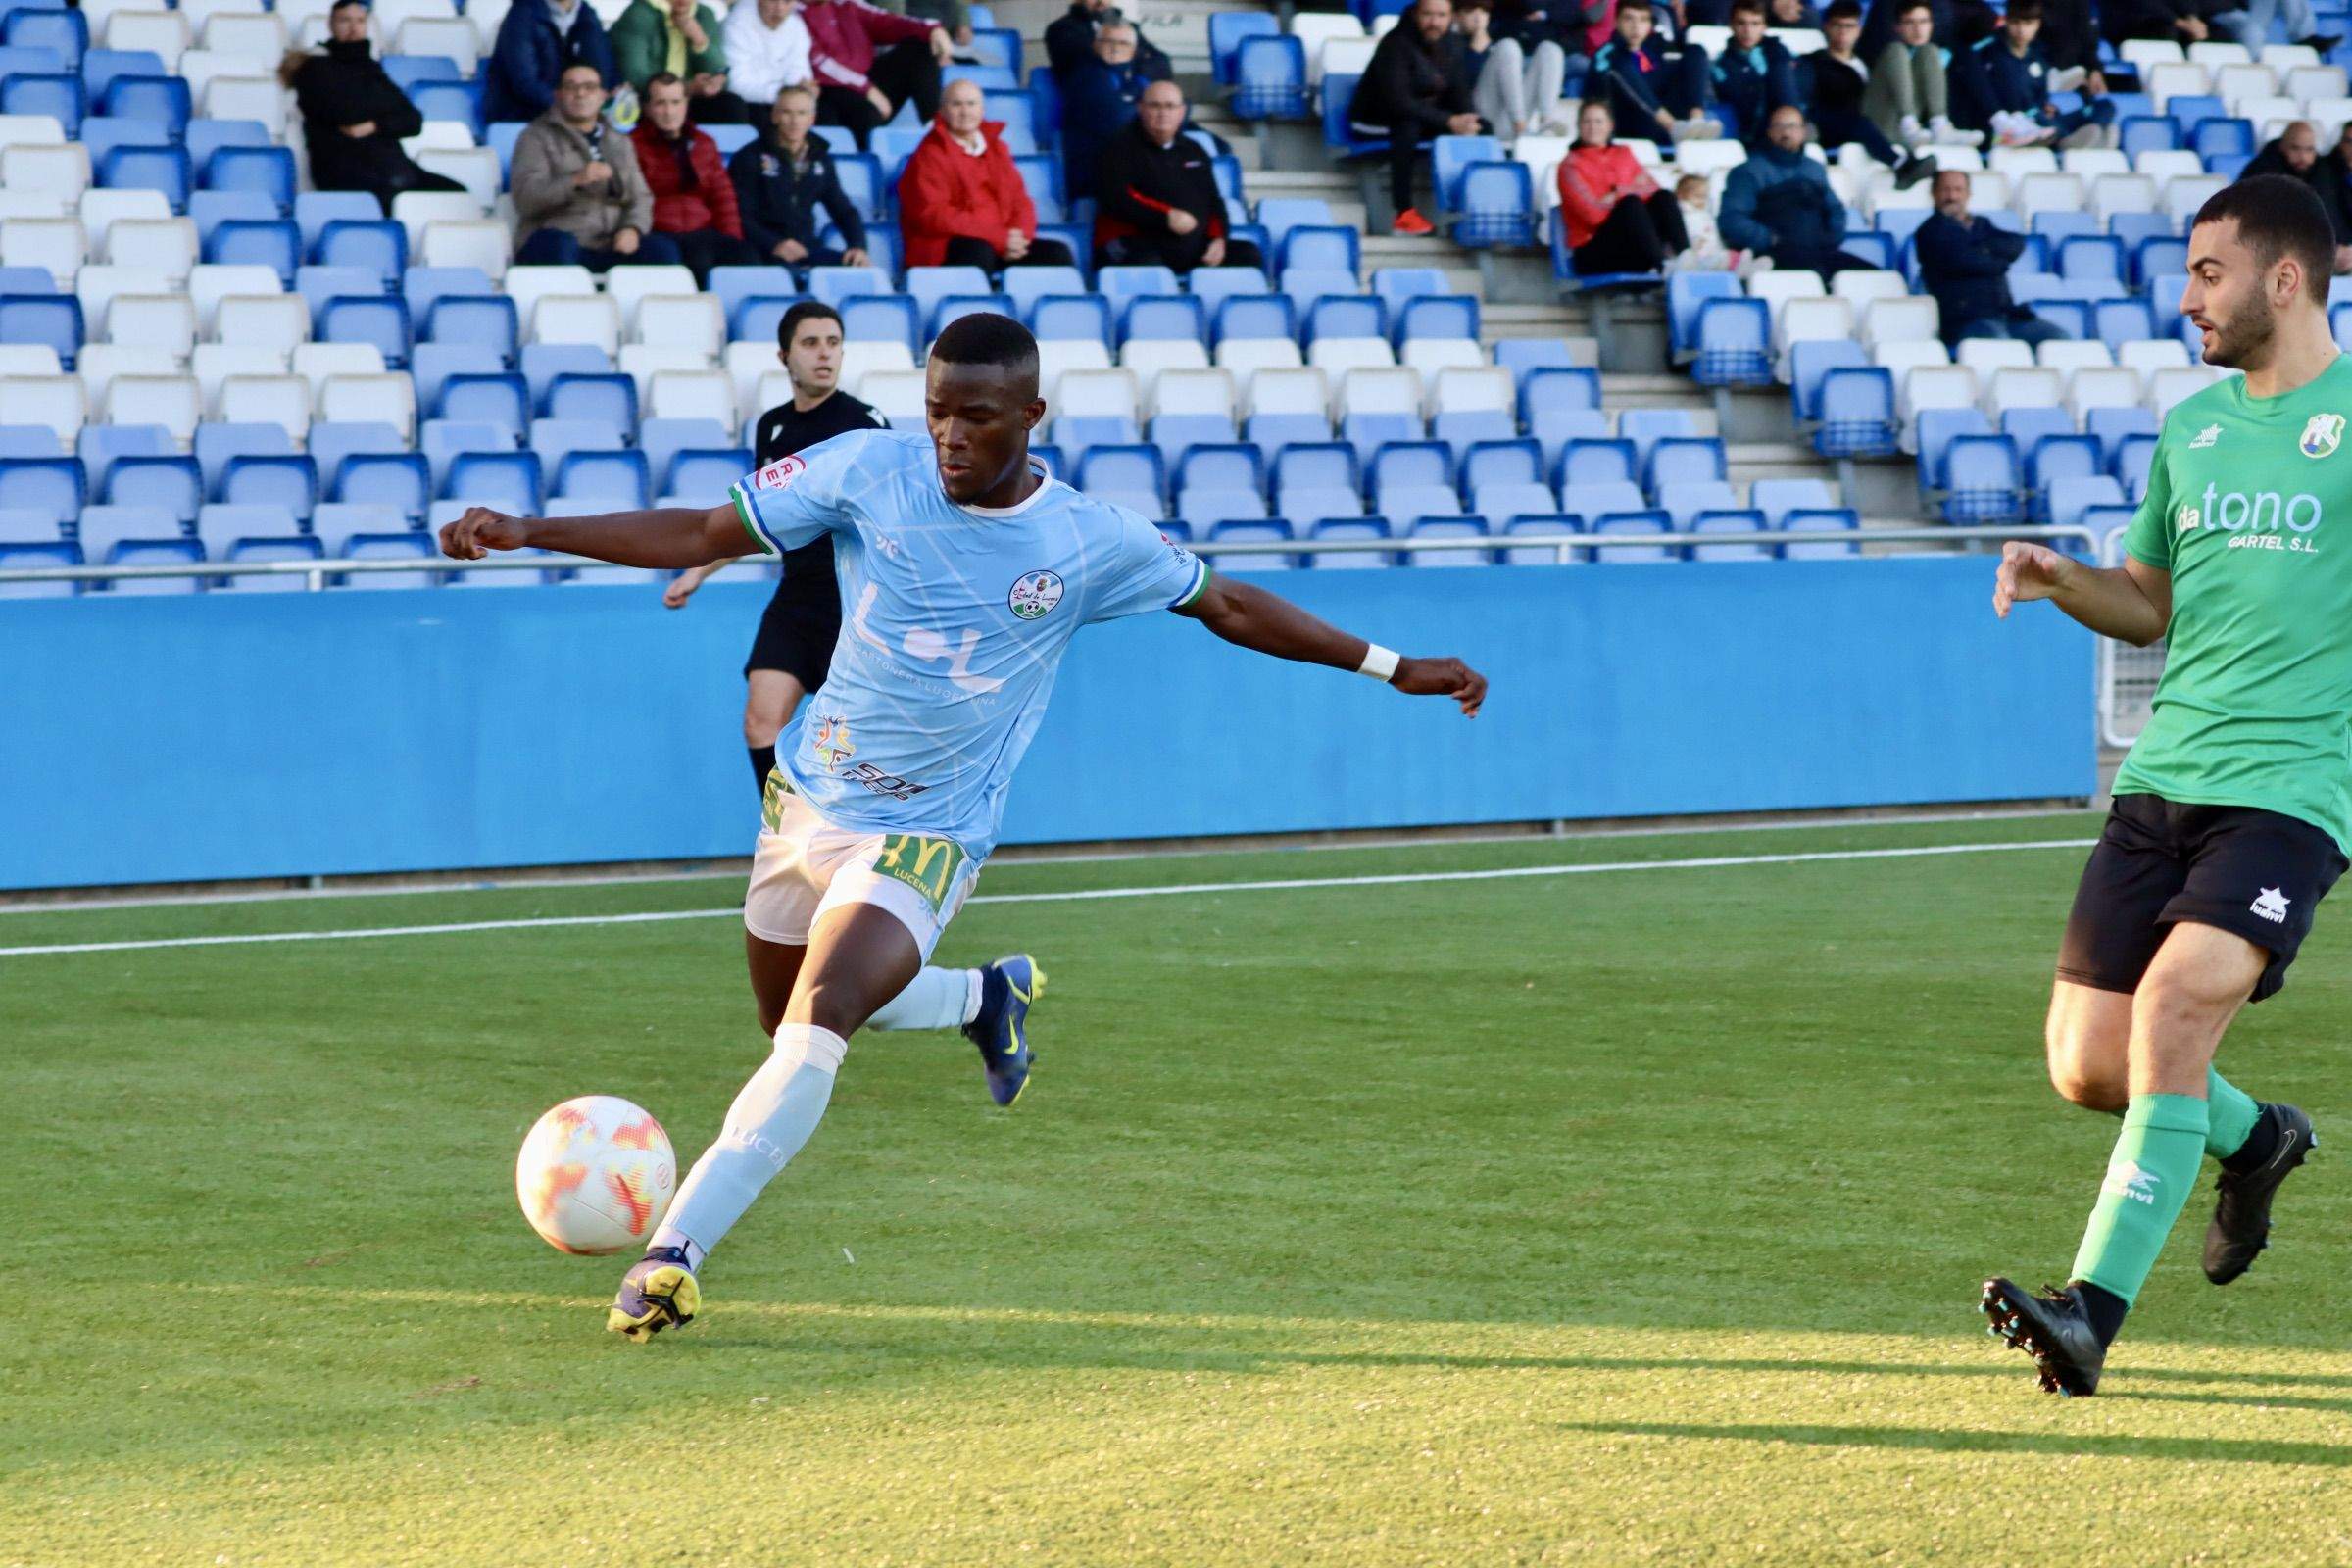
(1156, 200)
(1831, 84)
(1071, 41)
(782, 180)
(1965, 262)
(1656, 93)
(354, 115)
(2295, 153)
(1414, 88)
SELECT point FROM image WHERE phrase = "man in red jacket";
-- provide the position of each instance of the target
(962, 202)
(694, 199)
(869, 61)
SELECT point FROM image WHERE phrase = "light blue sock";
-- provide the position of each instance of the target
(935, 999)
(771, 1117)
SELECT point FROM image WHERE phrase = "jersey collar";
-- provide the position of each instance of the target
(1045, 477)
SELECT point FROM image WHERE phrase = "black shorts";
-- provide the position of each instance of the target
(2256, 873)
(796, 633)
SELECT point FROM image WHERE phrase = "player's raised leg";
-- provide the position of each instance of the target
(859, 955)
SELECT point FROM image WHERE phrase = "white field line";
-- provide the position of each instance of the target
(1176, 890)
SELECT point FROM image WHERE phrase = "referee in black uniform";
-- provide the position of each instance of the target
(795, 646)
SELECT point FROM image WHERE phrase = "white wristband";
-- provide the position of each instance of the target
(1379, 663)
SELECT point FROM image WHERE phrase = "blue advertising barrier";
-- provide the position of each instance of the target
(218, 736)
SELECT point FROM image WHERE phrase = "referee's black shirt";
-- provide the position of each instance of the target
(784, 430)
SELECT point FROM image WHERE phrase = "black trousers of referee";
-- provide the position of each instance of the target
(904, 70)
(1636, 236)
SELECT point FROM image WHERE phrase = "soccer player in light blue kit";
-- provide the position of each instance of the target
(966, 570)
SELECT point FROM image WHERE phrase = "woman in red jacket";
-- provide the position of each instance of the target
(694, 199)
(962, 202)
(1617, 218)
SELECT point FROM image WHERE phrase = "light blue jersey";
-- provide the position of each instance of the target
(953, 623)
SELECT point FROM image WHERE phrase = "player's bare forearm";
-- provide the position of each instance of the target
(2133, 604)
(663, 537)
(1248, 617)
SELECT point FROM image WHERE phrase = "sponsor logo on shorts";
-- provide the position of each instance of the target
(926, 865)
(2322, 435)
(779, 474)
(2126, 1179)
(1035, 594)
(2271, 904)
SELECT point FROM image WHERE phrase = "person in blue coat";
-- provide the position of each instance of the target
(2003, 87)
(1098, 101)
(1963, 261)
(536, 41)
(1754, 74)
(1779, 202)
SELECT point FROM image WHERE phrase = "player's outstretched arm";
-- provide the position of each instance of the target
(1246, 615)
(667, 536)
(2133, 604)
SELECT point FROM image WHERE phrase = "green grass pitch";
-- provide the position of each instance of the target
(1625, 1217)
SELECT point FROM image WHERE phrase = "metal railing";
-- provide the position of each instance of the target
(1565, 548)
(2128, 676)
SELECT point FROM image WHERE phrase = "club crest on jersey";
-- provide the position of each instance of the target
(779, 474)
(1035, 594)
(831, 745)
(2321, 436)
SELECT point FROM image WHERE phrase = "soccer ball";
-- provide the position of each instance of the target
(596, 1175)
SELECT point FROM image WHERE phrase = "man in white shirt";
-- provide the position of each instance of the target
(767, 49)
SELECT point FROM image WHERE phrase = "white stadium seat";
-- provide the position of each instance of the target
(391, 399)
(576, 318)
(482, 242)
(213, 364)
(55, 243)
(170, 401)
(55, 402)
(272, 322)
(526, 284)
(281, 400)
(1107, 394)
(63, 172)
(628, 286)
(682, 321)
(317, 363)
(164, 33)
(163, 322)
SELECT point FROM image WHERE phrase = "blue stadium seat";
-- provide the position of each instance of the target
(1590, 463)
(461, 102)
(1350, 529)
(861, 182)
(606, 398)
(1228, 30)
(1125, 469)
(317, 285)
(418, 547)
(2135, 457)
(160, 99)
(1269, 79)
(1395, 463)
(1462, 527)
(105, 530)
(262, 242)
(401, 482)
(553, 439)
(31, 554)
(1734, 343)
(1981, 480)
(1533, 527)
(1683, 457)
(1557, 388)
(2070, 498)
(1271, 434)
(65, 33)
(1369, 432)
(164, 169)
(2121, 322)
(267, 170)
(2055, 457)
(1451, 159)
(510, 481)
(383, 321)
(99, 68)
(1436, 316)
(220, 528)
(2146, 133)
(1502, 461)
(1727, 520)
(759, 317)
(1253, 530)
(54, 320)
(2087, 257)
(1178, 317)
(315, 210)
(433, 363)
(1463, 428)
(1856, 410)
(332, 442)
(1317, 501)
(1332, 246)
(57, 96)
(98, 446)
(1220, 468)
(483, 320)
(1809, 363)
(289, 481)
(207, 137)
(2114, 426)
(56, 487)
(1071, 317)
(1496, 205)
(2219, 138)
(1176, 433)
(378, 244)
(1938, 429)
(1636, 523)
(1213, 286)
(881, 318)
(958, 306)
(1871, 246)
(499, 400)
(1304, 285)
(1345, 315)
(218, 444)
(621, 479)
(283, 547)
(1026, 285)
(1202, 507)
(1255, 316)
(1682, 500)
(541, 364)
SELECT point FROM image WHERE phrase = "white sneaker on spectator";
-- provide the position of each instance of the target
(1914, 134)
(1754, 265)
(1947, 135)
(1698, 127)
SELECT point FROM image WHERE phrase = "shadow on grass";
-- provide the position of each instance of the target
(1940, 1439)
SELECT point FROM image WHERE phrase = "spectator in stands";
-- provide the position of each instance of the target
(1779, 202)
(577, 187)
(1413, 89)
(1756, 73)
(1832, 82)
(1954, 24)
(953, 17)
(1706, 253)
(767, 49)
(354, 115)
(962, 202)
(1794, 13)
(1156, 200)
(2070, 42)
(1097, 101)
(1908, 94)
(1963, 261)
(683, 40)
(536, 41)
(860, 82)
(1513, 87)
(1616, 218)
(1071, 41)
(2002, 86)
(694, 202)
(1658, 94)
(2187, 22)
(781, 180)
(1577, 26)
(2295, 153)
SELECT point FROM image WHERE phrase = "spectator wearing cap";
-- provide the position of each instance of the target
(1156, 200)
(962, 202)
(694, 202)
(869, 61)
(354, 115)
(1414, 88)
(536, 41)
(784, 181)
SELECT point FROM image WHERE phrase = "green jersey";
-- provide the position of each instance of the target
(2255, 707)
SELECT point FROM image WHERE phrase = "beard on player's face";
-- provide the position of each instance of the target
(2244, 334)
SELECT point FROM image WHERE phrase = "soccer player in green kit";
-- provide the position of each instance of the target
(2232, 812)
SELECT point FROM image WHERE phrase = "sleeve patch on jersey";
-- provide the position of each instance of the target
(742, 514)
(779, 474)
(1200, 583)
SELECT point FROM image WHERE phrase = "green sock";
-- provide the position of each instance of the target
(2231, 1114)
(2148, 1181)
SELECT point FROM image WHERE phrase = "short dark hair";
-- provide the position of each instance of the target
(1842, 10)
(1623, 6)
(669, 79)
(1756, 6)
(2024, 11)
(341, 4)
(2278, 215)
(986, 339)
(805, 311)
(1909, 6)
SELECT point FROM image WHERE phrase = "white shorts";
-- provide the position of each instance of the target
(805, 867)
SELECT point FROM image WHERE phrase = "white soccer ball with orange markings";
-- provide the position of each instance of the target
(596, 1175)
